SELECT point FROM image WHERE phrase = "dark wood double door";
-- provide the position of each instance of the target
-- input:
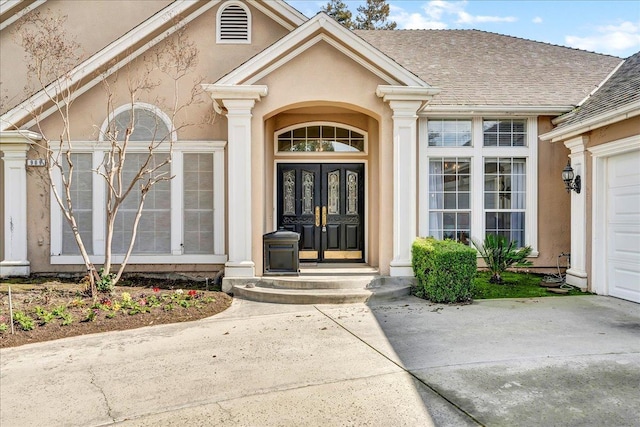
(325, 204)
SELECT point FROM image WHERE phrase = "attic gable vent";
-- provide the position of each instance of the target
(234, 22)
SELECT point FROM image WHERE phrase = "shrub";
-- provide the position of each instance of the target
(445, 270)
(499, 254)
(23, 319)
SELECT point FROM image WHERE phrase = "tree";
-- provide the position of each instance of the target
(339, 11)
(500, 254)
(52, 57)
(373, 16)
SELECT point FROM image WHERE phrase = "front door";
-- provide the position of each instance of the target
(325, 204)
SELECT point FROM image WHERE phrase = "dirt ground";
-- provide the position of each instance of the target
(52, 303)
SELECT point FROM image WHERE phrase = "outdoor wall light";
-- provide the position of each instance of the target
(569, 182)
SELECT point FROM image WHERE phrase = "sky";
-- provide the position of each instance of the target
(607, 26)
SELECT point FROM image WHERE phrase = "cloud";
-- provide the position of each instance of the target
(414, 21)
(537, 20)
(465, 18)
(610, 38)
(438, 12)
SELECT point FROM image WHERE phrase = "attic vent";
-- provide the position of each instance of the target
(233, 24)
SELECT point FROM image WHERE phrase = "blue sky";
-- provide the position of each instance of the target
(610, 27)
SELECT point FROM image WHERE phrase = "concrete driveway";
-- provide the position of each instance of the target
(568, 361)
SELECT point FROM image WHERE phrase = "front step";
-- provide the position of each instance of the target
(321, 290)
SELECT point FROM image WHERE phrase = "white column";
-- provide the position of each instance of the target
(236, 102)
(405, 101)
(14, 146)
(577, 272)
(239, 186)
(405, 179)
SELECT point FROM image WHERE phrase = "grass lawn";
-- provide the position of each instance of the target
(516, 285)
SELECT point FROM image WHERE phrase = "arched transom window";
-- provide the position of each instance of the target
(149, 124)
(321, 138)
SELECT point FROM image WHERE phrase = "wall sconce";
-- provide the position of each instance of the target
(569, 182)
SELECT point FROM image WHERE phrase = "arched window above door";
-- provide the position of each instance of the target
(321, 138)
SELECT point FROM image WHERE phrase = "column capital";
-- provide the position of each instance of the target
(224, 96)
(17, 142)
(404, 99)
(577, 145)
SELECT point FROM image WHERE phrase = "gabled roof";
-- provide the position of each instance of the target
(321, 28)
(480, 68)
(131, 45)
(617, 99)
(622, 89)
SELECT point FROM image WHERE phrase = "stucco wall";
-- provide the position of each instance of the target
(324, 84)
(88, 112)
(92, 24)
(554, 203)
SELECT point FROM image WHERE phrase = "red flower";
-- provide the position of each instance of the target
(192, 293)
(156, 289)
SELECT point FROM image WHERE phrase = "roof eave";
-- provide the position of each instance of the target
(331, 32)
(12, 10)
(614, 116)
(466, 110)
(17, 116)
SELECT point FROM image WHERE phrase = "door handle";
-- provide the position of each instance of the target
(317, 216)
(324, 216)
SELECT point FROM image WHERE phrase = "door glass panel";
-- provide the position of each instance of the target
(334, 192)
(352, 193)
(289, 191)
(307, 192)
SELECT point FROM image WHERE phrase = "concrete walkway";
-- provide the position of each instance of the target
(569, 361)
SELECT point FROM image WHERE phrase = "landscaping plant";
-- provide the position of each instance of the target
(500, 254)
(444, 269)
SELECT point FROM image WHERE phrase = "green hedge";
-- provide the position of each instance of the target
(445, 270)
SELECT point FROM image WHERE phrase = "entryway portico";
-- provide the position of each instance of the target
(370, 93)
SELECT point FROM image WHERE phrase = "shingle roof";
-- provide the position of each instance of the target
(480, 68)
(622, 88)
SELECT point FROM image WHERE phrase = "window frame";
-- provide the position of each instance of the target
(98, 150)
(279, 132)
(477, 152)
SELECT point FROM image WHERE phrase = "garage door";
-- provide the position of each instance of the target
(623, 226)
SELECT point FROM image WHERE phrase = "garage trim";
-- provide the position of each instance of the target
(600, 154)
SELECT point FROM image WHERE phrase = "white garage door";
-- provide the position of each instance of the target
(623, 226)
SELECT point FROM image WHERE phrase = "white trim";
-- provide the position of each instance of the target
(141, 106)
(221, 9)
(354, 47)
(577, 272)
(435, 110)
(600, 155)
(94, 63)
(288, 13)
(97, 149)
(477, 153)
(143, 259)
(7, 5)
(319, 154)
(14, 146)
(614, 116)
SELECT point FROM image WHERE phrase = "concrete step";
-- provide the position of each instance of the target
(316, 282)
(316, 292)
